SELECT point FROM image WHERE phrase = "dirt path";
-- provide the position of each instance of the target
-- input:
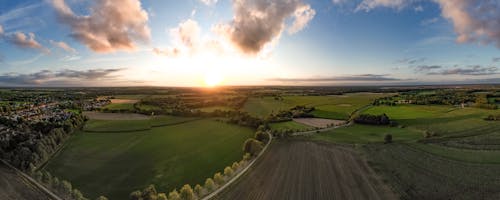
(300, 169)
(14, 186)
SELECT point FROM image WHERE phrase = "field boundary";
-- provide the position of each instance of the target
(33, 181)
(219, 190)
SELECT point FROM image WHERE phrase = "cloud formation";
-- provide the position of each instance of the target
(63, 46)
(426, 68)
(112, 25)
(411, 61)
(353, 78)
(474, 70)
(259, 22)
(46, 76)
(496, 59)
(1, 30)
(476, 21)
(26, 41)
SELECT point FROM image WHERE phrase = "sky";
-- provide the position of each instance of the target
(248, 42)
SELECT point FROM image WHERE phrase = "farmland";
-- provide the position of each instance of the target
(331, 107)
(299, 169)
(167, 156)
(289, 125)
(361, 134)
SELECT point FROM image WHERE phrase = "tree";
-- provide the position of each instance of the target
(101, 198)
(187, 193)
(198, 190)
(77, 195)
(209, 184)
(174, 195)
(252, 146)
(235, 166)
(149, 193)
(228, 171)
(261, 136)
(218, 178)
(66, 187)
(388, 138)
(135, 195)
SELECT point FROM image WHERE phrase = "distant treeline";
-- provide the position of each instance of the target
(372, 119)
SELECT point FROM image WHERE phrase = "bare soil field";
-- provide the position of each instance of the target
(115, 116)
(13, 186)
(319, 122)
(301, 169)
(124, 100)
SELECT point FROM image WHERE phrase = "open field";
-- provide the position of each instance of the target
(131, 122)
(120, 106)
(331, 107)
(297, 169)
(419, 174)
(124, 101)
(360, 134)
(115, 116)
(167, 156)
(13, 186)
(441, 120)
(319, 122)
(289, 125)
(214, 108)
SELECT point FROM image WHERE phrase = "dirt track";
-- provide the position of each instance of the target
(15, 187)
(299, 169)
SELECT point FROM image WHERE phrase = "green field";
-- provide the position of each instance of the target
(289, 125)
(114, 164)
(360, 134)
(214, 108)
(332, 107)
(120, 106)
(95, 125)
(442, 120)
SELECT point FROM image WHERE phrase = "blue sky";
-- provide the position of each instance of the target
(338, 43)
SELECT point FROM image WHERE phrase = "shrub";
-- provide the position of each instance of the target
(388, 138)
(77, 195)
(228, 171)
(149, 193)
(174, 195)
(187, 193)
(246, 157)
(261, 136)
(209, 184)
(218, 178)
(198, 190)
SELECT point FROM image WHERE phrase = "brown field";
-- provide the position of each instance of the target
(124, 100)
(115, 116)
(13, 186)
(297, 169)
(319, 122)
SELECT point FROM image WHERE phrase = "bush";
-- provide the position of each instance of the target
(388, 138)
(209, 184)
(149, 193)
(261, 136)
(372, 119)
(228, 171)
(218, 178)
(135, 195)
(187, 193)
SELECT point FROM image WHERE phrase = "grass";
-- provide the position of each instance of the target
(289, 125)
(115, 164)
(120, 106)
(94, 125)
(466, 155)
(361, 134)
(148, 108)
(214, 108)
(332, 107)
(442, 120)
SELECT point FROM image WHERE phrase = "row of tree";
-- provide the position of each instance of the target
(251, 148)
(62, 187)
(372, 119)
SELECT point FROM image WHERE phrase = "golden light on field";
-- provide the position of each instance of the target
(213, 79)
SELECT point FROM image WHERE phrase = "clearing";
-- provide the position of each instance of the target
(115, 116)
(116, 163)
(298, 169)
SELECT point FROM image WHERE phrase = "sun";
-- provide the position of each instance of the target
(213, 79)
